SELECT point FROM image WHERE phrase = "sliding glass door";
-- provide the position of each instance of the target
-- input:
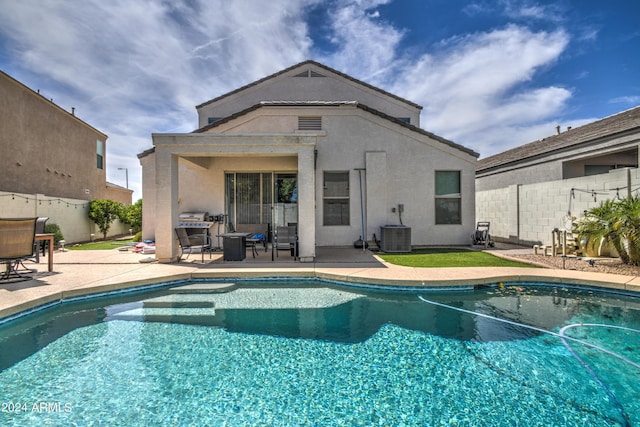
(285, 208)
(261, 198)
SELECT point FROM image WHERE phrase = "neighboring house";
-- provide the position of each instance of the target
(47, 150)
(309, 146)
(529, 190)
(51, 164)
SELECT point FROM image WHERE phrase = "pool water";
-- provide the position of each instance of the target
(309, 353)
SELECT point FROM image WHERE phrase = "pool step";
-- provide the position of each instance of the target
(195, 316)
(177, 308)
(181, 301)
(205, 288)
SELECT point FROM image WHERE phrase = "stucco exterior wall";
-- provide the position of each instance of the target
(400, 169)
(45, 149)
(120, 195)
(148, 163)
(287, 87)
(202, 188)
(404, 175)
(528, 213)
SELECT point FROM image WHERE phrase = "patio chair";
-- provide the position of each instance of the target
(286, 238)
(40, 245)
(17, 238)
(188, 243)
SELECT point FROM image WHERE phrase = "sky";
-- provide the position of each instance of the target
(490, 74)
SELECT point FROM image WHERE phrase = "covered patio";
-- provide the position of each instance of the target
(195, 172)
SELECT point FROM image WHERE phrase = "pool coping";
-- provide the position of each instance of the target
(383, 275)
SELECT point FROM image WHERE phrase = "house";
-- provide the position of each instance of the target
(313, 147)
(52, 162)
(45, 149)
(527, 191)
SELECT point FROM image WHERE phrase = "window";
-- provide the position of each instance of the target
(100, 154)
(211, 120)
(448, 201)
(336, 198)
(310, 123)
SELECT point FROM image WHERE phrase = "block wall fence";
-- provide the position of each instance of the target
(71, 215)
(527, 213)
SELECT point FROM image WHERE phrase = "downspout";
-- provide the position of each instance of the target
(362, 223)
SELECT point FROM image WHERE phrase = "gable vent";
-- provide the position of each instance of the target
(310, 123)
(309, 73)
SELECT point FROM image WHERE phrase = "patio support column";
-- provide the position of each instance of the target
(306, 204)
(166, 205)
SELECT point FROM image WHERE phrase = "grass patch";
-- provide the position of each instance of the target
(449, 257)
(100, 246)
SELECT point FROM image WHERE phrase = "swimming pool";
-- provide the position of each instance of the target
(314, 353)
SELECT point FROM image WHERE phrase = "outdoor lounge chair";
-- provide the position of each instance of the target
(188, 243)
(17, 238)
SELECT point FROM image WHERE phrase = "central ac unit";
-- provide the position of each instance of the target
(395, 238)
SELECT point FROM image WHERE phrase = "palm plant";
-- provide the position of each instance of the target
(627, 226)
(603, 222)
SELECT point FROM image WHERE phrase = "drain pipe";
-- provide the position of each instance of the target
(362, 225)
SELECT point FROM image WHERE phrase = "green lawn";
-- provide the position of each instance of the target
(449, 257)
(109, 244)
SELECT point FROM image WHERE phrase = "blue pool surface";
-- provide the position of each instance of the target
(312, 353)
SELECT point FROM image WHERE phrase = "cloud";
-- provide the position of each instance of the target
(366, 47)
(519, 10)
(473, 84)
(628, 100)
(134, 68)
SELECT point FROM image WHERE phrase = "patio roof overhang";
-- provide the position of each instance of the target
(170, 147)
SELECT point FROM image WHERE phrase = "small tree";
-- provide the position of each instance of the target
(103, 212)
(132, 215)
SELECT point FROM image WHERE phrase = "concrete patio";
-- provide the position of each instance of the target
(77, 273)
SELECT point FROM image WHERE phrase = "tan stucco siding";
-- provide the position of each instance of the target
(202, 189)
(410, 161)
(289, 88)
(46, 149)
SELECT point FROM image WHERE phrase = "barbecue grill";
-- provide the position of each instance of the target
(196, 224)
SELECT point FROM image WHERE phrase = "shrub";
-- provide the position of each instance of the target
(53, 228)
(138, 237)
(132, 215)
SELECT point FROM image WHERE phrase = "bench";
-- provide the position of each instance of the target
(546, 249)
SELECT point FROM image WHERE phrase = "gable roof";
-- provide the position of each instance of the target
(609, 126)
(333, 104)
(300, 65)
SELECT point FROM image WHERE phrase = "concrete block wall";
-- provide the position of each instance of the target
(527, 213)
(492, 207)
(71, 215)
